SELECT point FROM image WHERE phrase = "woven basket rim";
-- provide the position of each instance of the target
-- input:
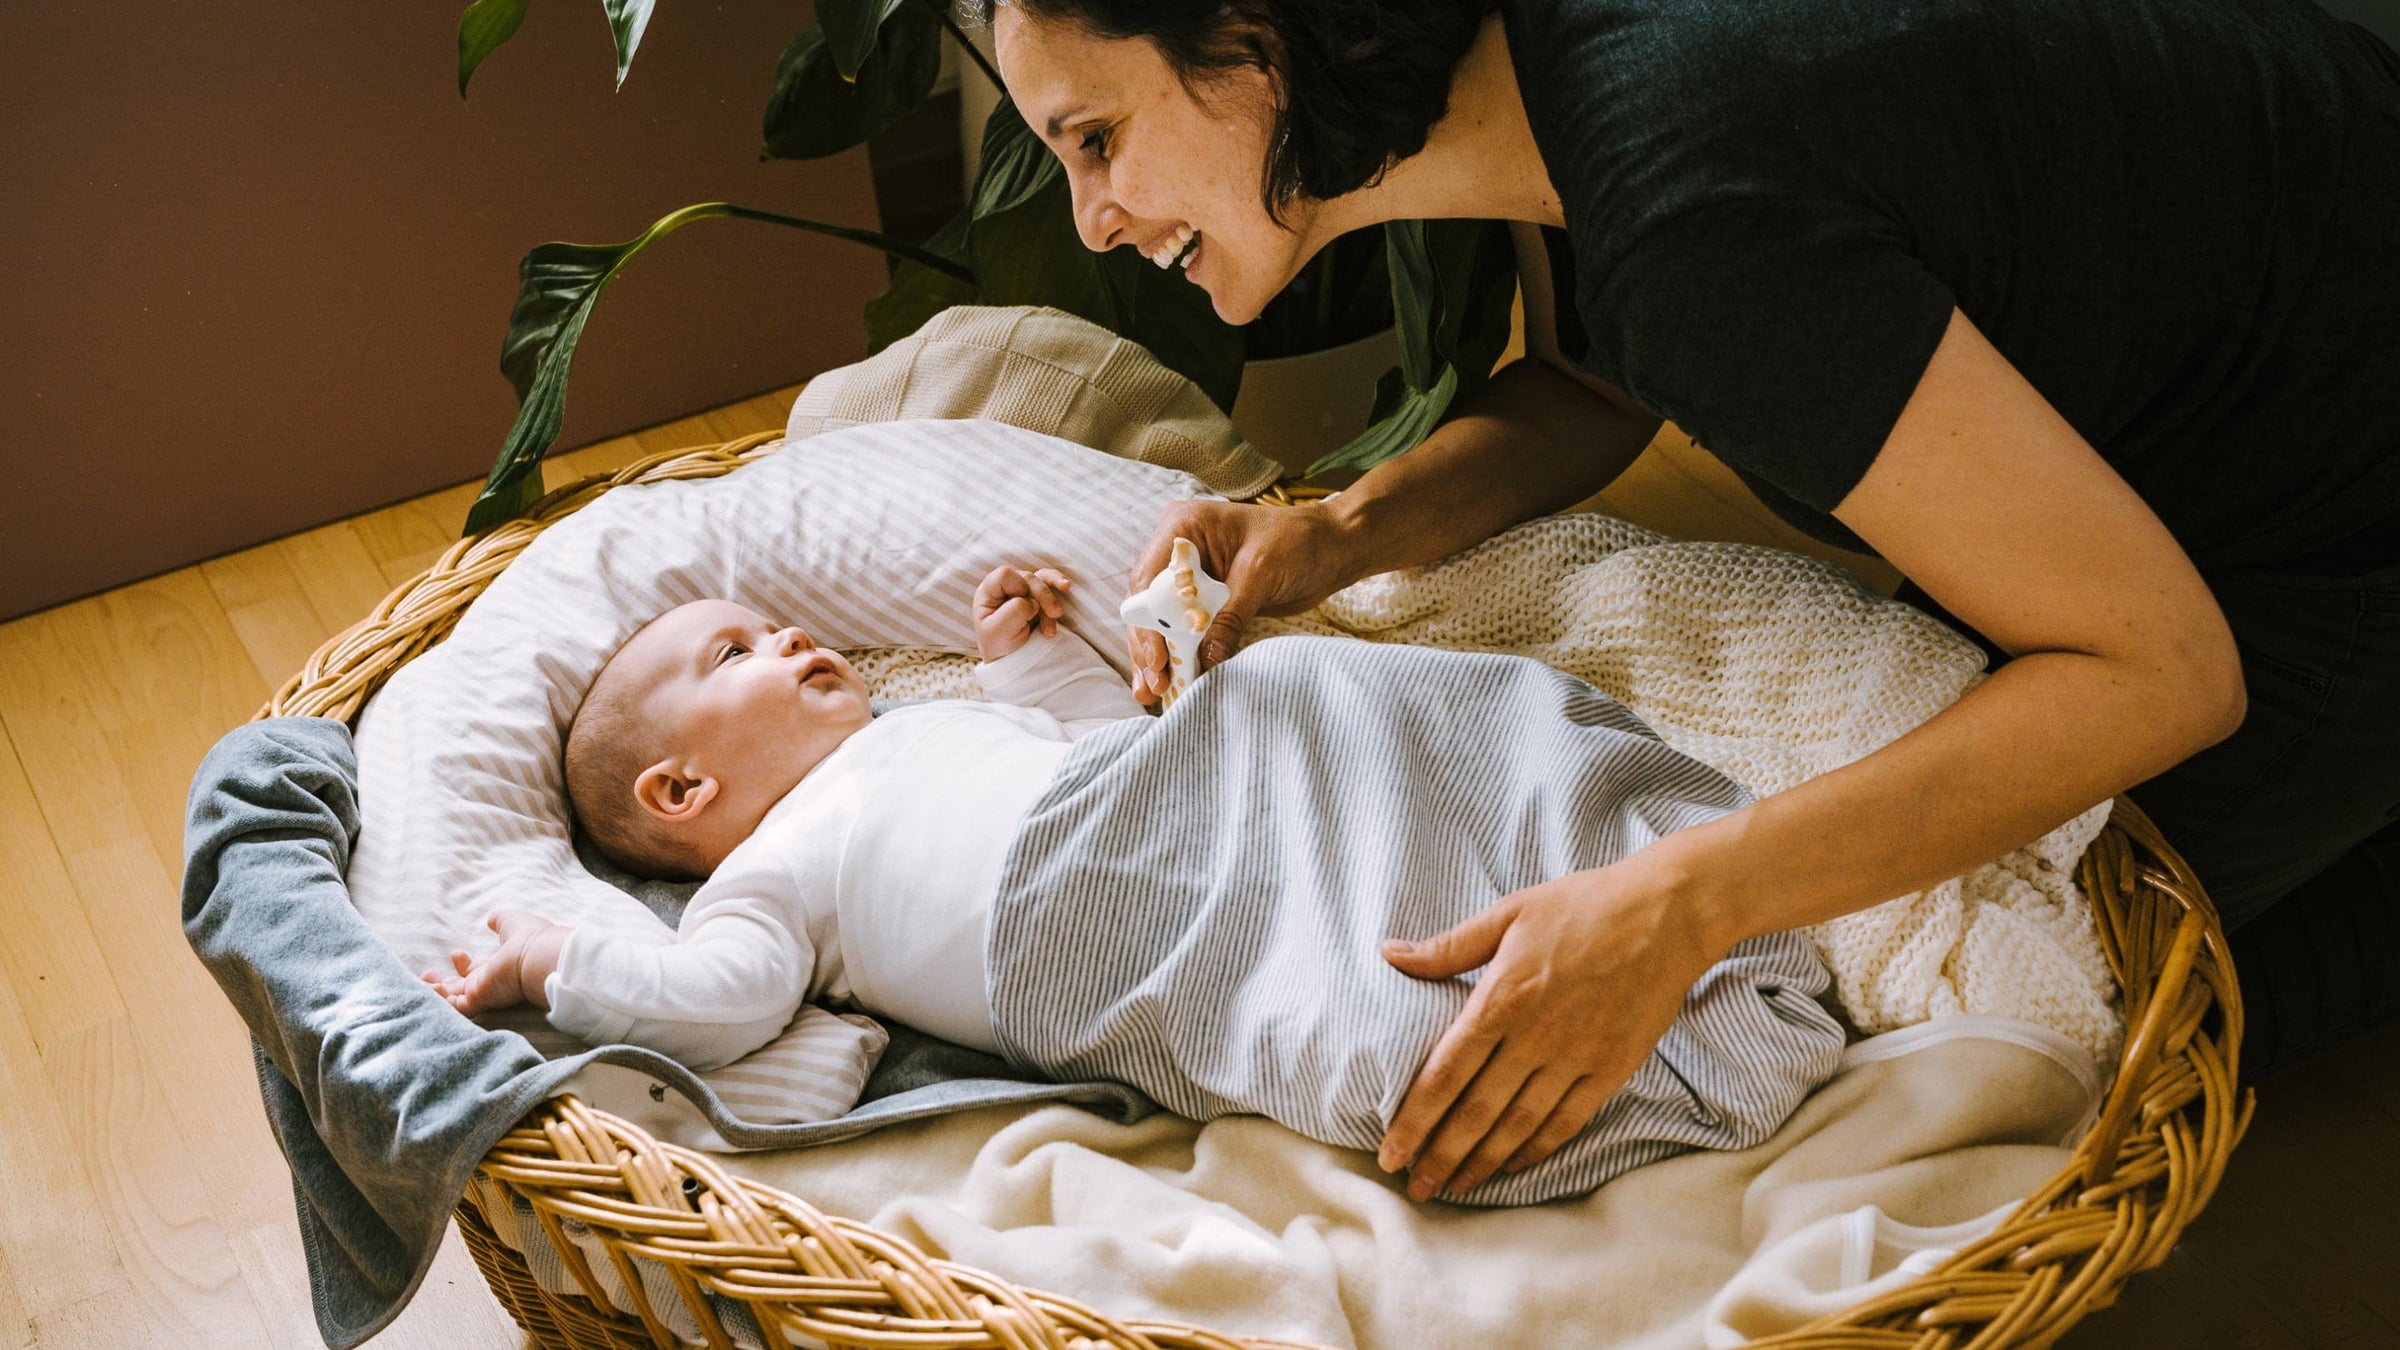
(2142, 1172)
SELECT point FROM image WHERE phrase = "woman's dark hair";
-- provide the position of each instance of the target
(1357, 83)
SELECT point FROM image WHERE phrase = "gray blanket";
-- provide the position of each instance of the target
(1196, 905)
(382, 1096)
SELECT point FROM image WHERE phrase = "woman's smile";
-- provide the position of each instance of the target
(1178, 246)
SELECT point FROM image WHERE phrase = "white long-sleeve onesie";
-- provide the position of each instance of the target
(868, 884)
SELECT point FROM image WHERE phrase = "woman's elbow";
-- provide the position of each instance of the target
(2208, 686)
(2233, 707)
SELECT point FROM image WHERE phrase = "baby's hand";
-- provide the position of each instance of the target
(529, 947)
(1011, 604)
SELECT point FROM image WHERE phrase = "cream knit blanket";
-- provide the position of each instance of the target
(1771, 668)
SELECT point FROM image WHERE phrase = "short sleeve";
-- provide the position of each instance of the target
(1783, 335)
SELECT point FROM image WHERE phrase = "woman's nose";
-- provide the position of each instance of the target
(1098, 218)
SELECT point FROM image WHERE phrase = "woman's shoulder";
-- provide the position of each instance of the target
(1644, 109)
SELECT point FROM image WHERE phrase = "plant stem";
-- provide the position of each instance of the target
(941, 10)
(922, 257)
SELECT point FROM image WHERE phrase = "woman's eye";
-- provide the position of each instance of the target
(1095, 143)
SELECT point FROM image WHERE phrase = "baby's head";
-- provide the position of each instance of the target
(702, 721)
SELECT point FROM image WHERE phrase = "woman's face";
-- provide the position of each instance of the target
(1153, 166)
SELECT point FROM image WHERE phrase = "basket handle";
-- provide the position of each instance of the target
(2142, 1049)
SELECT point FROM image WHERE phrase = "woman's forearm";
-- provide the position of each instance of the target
(2042, 740)
(1533, 441)
(2124, 664)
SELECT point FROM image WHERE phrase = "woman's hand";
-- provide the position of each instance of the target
(1584, 975)
(1274, 560)
(1011, 605)
(529, 948)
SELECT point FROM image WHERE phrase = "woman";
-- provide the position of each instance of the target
(2085, 317)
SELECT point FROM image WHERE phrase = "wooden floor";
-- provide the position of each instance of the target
(146, 1204)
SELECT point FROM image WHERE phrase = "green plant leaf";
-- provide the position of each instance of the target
(918, 292)
(1398, 431)
(558, 284)
(626, 20)
(1416, 300)
(1452, 286)
(1475, 267)
(1030, 255)
(1014, 164)
(850, 27)
(481, 30)
(815, 111)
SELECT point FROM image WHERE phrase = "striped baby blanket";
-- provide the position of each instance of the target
(1195, 906)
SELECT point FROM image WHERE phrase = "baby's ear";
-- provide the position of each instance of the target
(666, 790)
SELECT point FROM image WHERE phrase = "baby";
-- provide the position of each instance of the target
(682, 762)
(1193, 904)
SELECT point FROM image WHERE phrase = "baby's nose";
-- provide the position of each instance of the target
(792, 641)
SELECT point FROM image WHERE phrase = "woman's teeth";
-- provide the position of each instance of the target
(1175, 248)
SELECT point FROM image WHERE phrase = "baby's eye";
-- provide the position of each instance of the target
(731, 650)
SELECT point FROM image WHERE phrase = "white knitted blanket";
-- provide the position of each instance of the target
(1771, 668)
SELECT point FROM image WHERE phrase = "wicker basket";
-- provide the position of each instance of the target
(2150, 1162)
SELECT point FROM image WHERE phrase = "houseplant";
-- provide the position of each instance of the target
(1445, 286)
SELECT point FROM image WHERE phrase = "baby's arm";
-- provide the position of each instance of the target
(1031, 660)
(726, 983)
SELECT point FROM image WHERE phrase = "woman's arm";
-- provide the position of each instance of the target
(1530, 442)
(2124, 667)
(2122, 663)
(1533, 440)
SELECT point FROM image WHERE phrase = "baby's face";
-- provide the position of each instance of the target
(749, 702)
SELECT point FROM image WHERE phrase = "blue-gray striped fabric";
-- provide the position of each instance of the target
(1195, 907)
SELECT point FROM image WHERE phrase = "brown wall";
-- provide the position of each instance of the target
(256, 259)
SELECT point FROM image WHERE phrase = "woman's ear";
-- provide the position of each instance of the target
(673, 793)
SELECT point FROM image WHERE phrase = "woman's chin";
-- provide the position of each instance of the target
(1239, 294)
(1232, 304)
(1235, 317)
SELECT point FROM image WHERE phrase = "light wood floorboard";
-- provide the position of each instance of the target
(147, 1204)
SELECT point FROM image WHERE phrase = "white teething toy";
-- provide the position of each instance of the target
(1178, 605)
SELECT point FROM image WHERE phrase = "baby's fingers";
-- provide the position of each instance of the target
(997, 585)
(1017, 613)
(1046, 598)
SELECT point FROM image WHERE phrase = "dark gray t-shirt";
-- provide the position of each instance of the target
(2179, 220)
